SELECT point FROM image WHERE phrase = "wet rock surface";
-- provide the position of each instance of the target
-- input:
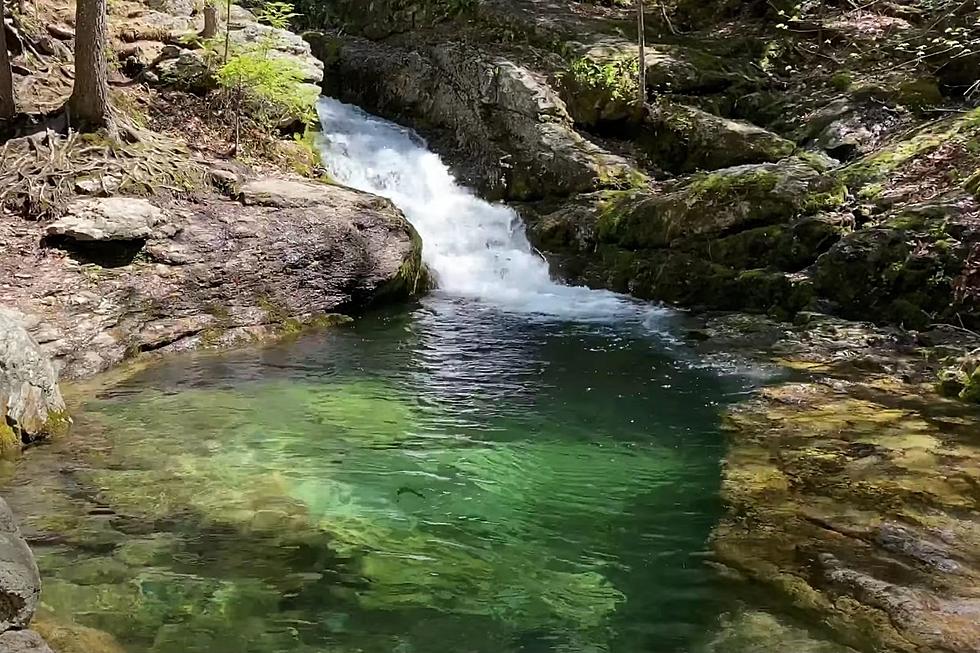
(31, 405)
(23, 641)
(851, 485)
(204, 274)
(20, 582)
(519, 138)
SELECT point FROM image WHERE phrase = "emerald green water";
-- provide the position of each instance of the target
(447, 478)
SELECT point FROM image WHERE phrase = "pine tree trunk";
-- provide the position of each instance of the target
(210, 21)
(7, 106)
(641, 40)
(227, 30)
(88, 106)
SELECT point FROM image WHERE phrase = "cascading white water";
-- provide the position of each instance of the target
(476, 249)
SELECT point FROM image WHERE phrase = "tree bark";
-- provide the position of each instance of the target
(210, 21)
(7, 105)
(88, 106)
(641, 40)
(227, 30)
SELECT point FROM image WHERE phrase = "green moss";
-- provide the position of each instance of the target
(412, 278)
(971, 387)
(295, 326)
(876, 167)
(722, 187)
(842, 80)
(10, 444)
(825, 200)
(920, 93)
(275, 312)
(58, 424)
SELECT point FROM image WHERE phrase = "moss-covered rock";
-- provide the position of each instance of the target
(715, 203)
(683, 139)
(31, 405)
(900, 270)
(878, 166)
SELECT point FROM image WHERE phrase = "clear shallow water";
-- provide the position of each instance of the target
(449, 479)
(511, 466)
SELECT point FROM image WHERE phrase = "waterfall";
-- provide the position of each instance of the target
(475, 249)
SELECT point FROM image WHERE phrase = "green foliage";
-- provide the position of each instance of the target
(276, 14)
(272, 86)
(617, 77)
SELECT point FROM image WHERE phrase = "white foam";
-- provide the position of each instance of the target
(475, 249)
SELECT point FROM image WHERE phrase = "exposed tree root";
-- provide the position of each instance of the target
(40, 172)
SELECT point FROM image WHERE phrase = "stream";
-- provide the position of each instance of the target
(509, 465)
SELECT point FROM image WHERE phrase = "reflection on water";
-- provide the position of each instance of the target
(452, 479)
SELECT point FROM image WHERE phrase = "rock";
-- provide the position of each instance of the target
(848, 128)
(31, 405)
(174, 7)
(844, 499)
(187, 72)
(216, 272)
(284, 193)
(519, 139)
(20, 581)
(710, 240)
(284, 45)
(961, 379)
(901, 270)
(101, 185)
(109, 219)
(23, 641)
(684, 139)
(722, 201)
(74, 638)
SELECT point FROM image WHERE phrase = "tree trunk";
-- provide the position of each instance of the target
(7, 106)
(210, 21)
(641, 40)
(227, 30)
(88, 106)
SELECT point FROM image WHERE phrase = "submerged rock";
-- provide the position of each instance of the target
(850, 493)
(20, 581)
(31, 405)
(23, 641)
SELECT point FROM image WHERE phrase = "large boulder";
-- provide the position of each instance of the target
(683, 139)
(216, 272)
(903, 268)
(188, 71)
(20, 581)
(724, 201)
(31, 405)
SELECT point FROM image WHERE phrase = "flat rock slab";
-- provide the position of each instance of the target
(214, 272)
(20, 582)
(108, 219)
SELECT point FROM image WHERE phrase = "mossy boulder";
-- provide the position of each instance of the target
(899, 270)
(787, 247)
(683, 139)
(887, 161)
(724, 201)
(961, 379)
